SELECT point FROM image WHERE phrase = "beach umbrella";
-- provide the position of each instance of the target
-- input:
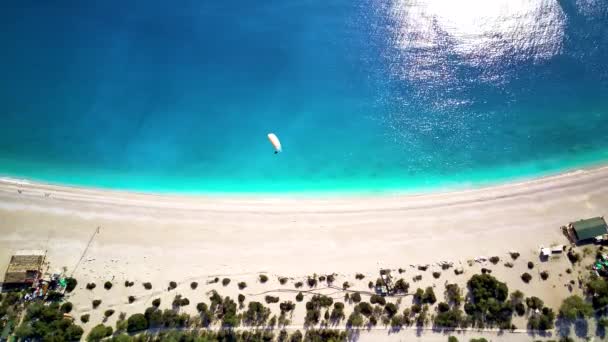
(276, 143)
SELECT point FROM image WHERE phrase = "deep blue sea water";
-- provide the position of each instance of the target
(365, 95)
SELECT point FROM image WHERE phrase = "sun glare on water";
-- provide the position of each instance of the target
(476, 31)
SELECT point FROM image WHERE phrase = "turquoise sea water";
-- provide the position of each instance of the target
(365, 95)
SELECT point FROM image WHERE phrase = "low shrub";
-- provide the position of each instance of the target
(299, 297)
(514, 255)
(287, 306)
(70, 284)
(131, 299)
(436, 275)
(573, 256)
(544, 275)
(108, 313)
(530, 265)
(66, 307)
(85, 318)
(147, 286)
(298, 284)
(526, 277)
(370, 284)
(241, 298)
(345, 285)
(376, 299)
(107, 285)
(91, 286)
(417, 277)
(193, 285)
(225, 281)
(359, 276)
(282, 280)
(494, 260)
(156, 302)
(263, 278)
(96, 303)
(271, 299)
(509, 264)
(331, 278)
(129, 283)
(311, 281)
(356, 297)
(172, 285)
(242, 285)
(401, 286)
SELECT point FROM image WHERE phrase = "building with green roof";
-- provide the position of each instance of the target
(588, 229)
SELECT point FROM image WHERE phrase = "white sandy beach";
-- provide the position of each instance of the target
(162, 238)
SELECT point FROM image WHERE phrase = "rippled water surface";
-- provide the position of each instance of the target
(365, 95)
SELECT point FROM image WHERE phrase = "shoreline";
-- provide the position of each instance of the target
(353, 225)
(34, 185)
(457, 184)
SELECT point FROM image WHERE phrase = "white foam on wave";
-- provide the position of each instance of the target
(14, 181)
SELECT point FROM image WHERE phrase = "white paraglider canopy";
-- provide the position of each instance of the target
(276, 143)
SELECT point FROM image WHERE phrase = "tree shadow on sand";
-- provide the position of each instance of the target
(564, 327)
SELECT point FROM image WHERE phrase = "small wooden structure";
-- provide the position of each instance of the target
(24, 268)
(589, 230)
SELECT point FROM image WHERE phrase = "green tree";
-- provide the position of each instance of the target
(598, 289)
(544, 321)
(429, 296)
(99, 332)
(376, 299)
(66, 307)
(401, 286)
(70, 284)
(296, 336)
(390, 309)
(355, 320)
(73, 333)
(256, 314)
(448, 319)
(137, 322)
(487, 302)
(534, 303)
(122, 338)
(575, 307)
(397, 321)
(452, 294)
